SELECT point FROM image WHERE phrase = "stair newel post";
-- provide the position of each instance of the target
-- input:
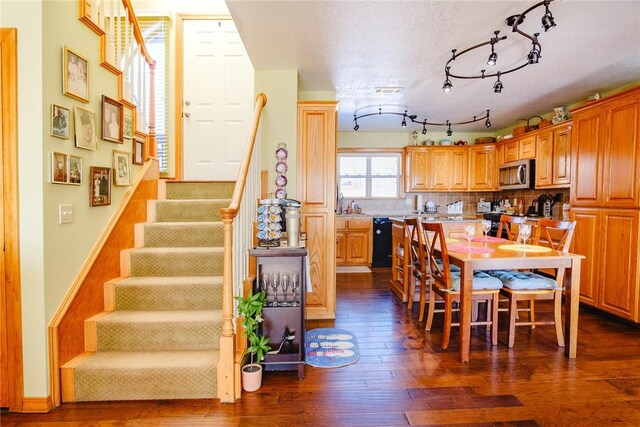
(153, 150)
(226, 369)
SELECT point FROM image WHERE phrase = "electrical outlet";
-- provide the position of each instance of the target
(65, 214)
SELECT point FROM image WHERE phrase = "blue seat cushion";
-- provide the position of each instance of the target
(451, 266)
(523, 280)
(481, 281)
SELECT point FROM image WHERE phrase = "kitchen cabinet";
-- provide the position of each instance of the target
(482, 169)
(606, 153)
(511, 153)
(416, 169)
(610, 279)
(316, 146)
(448, 169)
(459, 169)
(605, 201)
(527, 147)
(553, 157)
(355, 242)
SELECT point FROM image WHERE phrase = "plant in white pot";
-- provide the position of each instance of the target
(250, 308)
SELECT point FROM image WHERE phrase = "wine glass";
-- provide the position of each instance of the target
(284, 283)
(264, 281)
(469, 232)
(295, 285)
(524, 232)
(275, 281)
(486, 226)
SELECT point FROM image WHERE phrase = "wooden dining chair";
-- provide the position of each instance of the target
(445, 283)
(532, 286)
(506, 224)
(415, 244)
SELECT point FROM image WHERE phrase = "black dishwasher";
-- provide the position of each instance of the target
(381, 256)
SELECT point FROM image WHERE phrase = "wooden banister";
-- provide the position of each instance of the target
(137, 33)
(227, 390)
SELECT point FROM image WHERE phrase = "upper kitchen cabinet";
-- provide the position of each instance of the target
(606, 153)
(527, 147)
(553, 157)
(316, 145)
(482, 169)
(416, 169)
(511, 151)
(448, 169)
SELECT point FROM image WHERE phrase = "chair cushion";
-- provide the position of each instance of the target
(451, 266)
(481, 280)
(523, 280)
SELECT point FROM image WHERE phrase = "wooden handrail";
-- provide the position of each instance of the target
(261, 101)
(137, 33)
(226, 378)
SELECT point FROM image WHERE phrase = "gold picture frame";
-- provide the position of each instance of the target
(60, 121)
(121, 168)
(75, 75)
(66, 169)
(85, 129)
(138, 156)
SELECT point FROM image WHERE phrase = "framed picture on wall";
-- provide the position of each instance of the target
(112, 114)
(121, 168)
(127, 131)
(100, 186)
(85, 123)
(75, 75)
(60, 118)
(59, 171)
(138, 151)
(75, 170)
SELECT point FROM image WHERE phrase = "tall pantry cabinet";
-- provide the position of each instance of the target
(605, 201)
(317, 147)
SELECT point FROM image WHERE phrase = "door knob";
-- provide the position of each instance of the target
(187, 115)
(187, 102)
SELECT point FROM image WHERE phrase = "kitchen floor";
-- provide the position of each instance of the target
(404, 378)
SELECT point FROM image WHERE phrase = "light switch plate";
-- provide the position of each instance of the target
(66, 214)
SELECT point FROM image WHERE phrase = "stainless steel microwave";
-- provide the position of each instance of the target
(516, 175)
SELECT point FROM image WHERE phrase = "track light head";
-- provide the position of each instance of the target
(449, 131)
(498, 86)
(493, 58)
(356, 127)
(547, 20)
(487, 123)
(534, 56)
(446, 87)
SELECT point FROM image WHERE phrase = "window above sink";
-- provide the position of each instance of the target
(369, 173)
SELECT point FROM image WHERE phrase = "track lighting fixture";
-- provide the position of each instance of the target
(406, 117)
(493, 57)
(497, 86)
(533, 57)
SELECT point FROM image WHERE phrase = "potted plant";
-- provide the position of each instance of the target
(250, 308)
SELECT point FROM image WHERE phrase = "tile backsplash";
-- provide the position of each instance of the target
(408, 205)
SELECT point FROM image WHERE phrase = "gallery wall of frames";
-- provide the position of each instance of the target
(85, 129)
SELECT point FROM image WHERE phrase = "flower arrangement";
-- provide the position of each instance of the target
(250, 308)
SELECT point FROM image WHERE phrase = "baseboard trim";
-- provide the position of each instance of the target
(37, 404)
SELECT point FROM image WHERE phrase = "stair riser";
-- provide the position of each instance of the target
(158, 336)
(176, 264)
(189, 211)
(146, 384)
(175, 297)
(160, 235)
(199, 190)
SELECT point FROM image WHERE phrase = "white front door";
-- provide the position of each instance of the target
(218, 100)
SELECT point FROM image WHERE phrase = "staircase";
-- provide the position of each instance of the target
(160, 335)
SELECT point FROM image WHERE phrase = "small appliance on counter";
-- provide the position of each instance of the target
(431, 208)
(483, 207)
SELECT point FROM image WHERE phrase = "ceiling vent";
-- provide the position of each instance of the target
(388, 90)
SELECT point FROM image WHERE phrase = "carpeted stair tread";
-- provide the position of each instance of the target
(149, 293)
(199, 190)
(200, 210)
(147, 375)
(177, 261)
(159, 330)
(183, 234)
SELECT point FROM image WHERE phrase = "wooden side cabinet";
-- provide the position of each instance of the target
(482, 167)
(284, 312)
(355, 242)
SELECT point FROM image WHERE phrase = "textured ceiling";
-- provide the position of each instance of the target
(351, 47)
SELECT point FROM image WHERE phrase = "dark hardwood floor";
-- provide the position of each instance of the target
(404, 378)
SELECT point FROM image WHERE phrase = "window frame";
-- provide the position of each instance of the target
(373, 152)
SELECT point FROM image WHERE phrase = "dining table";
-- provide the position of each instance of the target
(493, 254)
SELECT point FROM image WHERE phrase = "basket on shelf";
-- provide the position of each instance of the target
(520, 130)
(485, 140)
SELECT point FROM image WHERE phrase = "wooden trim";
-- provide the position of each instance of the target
(318, 102)
(85, 296)
(371, 150)
(37, 404)
(68, 373)
(10, 205)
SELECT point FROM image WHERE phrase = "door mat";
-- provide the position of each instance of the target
(353, 270)
(331, 348)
